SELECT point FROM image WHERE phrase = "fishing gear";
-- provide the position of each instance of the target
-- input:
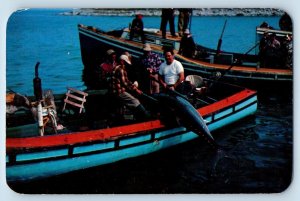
(220, 39)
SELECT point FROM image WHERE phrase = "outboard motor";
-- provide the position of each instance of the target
(37, 84)
(37, 87)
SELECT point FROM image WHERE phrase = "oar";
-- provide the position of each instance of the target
(220, 39)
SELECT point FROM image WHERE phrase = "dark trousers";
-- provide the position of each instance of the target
(164, 22)
(139, 32)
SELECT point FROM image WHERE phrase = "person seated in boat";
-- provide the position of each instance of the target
(107, 67)
(137, 27)
(273, 51)
(187, 45)
(171, 72)
(262, 49)
(150, 63)
(122, 88)
(130, 67)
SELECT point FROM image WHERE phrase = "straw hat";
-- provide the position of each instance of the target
(110, 51)
(147, 47)
(125, 58)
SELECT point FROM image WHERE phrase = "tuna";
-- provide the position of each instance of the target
(186, 115)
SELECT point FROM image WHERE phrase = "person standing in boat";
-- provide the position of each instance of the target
(123, 89)
(187, 45)
(137, 27)
(150, 63)
(167, 15)
(171, 72)
(183, 20)
(107, 67)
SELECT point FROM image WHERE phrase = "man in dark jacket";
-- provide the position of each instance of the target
(187, 45)
(137, 27)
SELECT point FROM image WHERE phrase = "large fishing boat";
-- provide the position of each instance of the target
(50, 135)
(237, 67)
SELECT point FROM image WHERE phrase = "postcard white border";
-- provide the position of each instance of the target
(9, 6)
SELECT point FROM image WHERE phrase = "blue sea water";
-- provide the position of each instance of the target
(46, 36)
(259, 147)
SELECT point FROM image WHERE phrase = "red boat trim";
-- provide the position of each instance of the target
(212, 108)
(110, 133)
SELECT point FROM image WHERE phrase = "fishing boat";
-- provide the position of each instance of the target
(96, 131)
(242, 69)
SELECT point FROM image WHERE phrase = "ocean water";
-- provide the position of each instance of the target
(258, 149)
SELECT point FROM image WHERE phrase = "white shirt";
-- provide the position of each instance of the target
(171, 72)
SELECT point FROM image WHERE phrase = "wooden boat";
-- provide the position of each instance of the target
(96, 136)
(94, 42)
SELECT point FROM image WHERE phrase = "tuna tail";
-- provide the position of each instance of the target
(195, 122)
(188, 115)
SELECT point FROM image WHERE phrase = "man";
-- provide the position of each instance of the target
(167, 15)
(107, 67)
(123, 88)
(171, 72)
(187, 45)
(262, 49)
(150, 63)
(183, 19)
(273, 52)
(137, 27)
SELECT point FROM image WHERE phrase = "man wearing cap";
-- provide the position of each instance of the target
(108, 66)
(150, 63)
(137, 26)
(187, 45)
(171, 72)
(123, 88)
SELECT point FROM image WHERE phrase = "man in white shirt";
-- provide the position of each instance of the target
(171, 72)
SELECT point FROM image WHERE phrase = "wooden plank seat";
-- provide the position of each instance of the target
(75, 98)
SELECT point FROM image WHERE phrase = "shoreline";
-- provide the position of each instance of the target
(196, 12)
